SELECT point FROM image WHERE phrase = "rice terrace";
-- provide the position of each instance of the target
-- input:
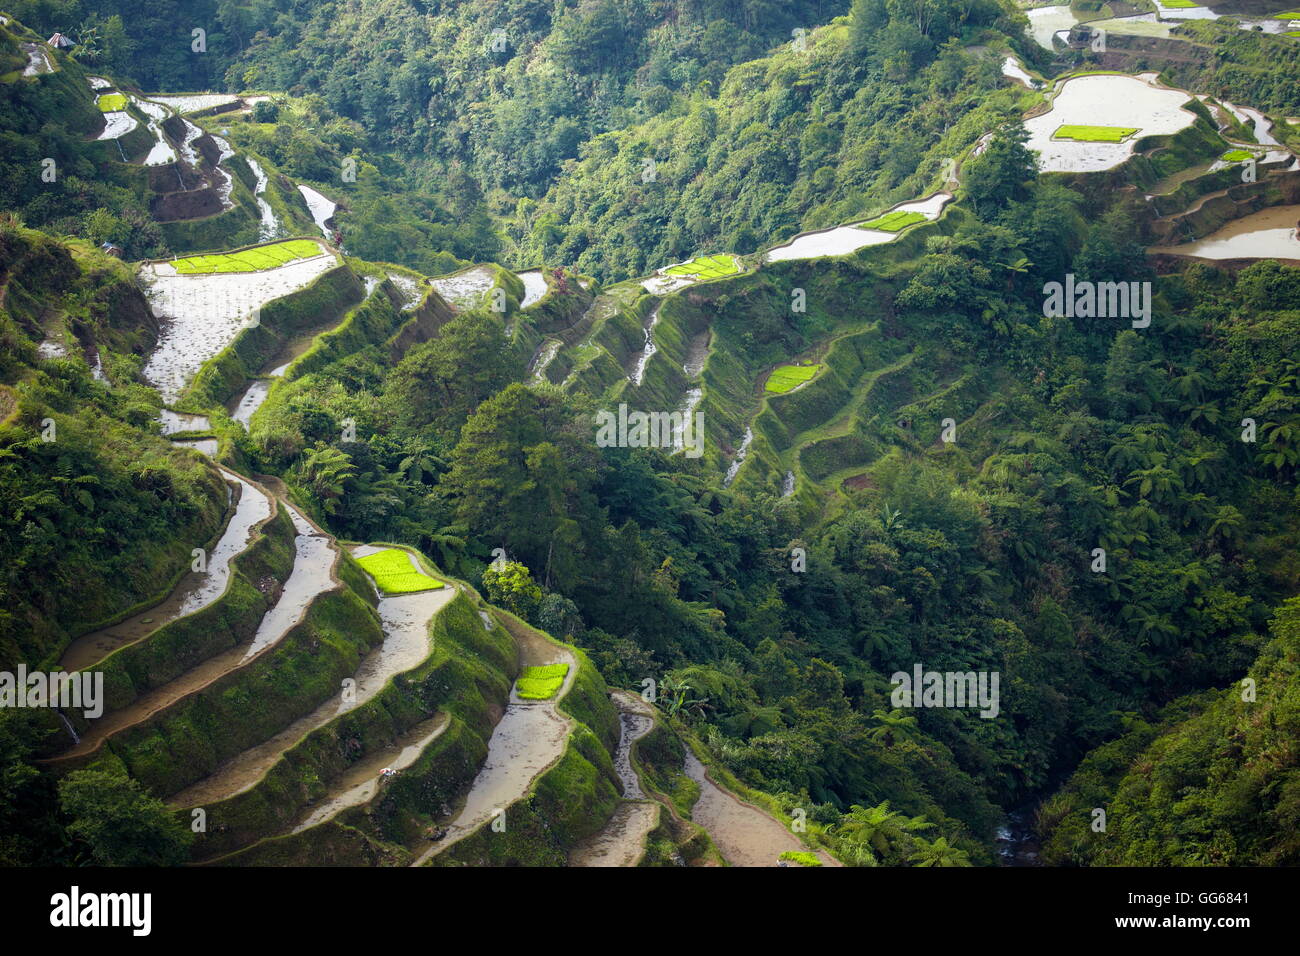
(616, 434)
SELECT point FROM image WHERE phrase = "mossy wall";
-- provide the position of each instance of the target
(231, 620)
(226, 374)
(189, 740)
(467, 675)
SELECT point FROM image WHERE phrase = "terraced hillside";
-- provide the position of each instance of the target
(368, 584)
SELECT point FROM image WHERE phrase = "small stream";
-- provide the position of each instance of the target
(1017, 842)
(638, 372)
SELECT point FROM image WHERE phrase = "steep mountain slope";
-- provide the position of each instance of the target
(904, 462)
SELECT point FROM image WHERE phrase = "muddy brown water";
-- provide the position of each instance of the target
(743, 834)
(1267, 234)
(621, 842)
(528, 739)
(406, 643)
(195, 591)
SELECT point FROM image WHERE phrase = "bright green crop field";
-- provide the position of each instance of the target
(249, 260)
(706, 267)
(1236, 155)
(1095, 134)
(1178, 4)
(394, 573)
(802, 857)
(895, 221)
(111, 102)
(790, 376)
(542, 683)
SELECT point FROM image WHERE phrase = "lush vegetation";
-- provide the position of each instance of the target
(706, 267)
(249, 260)
(542, 682)
(895, 221)
(1094, 134)
(395, 574)
(958, 459)
(786, 377)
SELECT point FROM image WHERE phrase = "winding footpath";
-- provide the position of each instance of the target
(743, 834)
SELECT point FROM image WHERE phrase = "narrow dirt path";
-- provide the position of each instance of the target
(744, 834)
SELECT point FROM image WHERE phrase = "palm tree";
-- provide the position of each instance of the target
(878, 832)
(893, 725)
(938, 853)
(327, 471)
(1227, 527)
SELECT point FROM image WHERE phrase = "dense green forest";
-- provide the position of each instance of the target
(605, 139)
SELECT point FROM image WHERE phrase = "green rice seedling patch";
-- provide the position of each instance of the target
(706, 267)
(541, 683)
(1178, 4)
(1095, 134)
(786, 377)
(895, 221)
(1237, 155)
(802, 857)
(1292, 33)
(394, 573)
(111, 102)
(249, 260)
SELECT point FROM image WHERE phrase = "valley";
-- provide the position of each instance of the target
(297, 453)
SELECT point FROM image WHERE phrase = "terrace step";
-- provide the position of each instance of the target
(622, 841)
(197, 590)
(743, 834)
(405, 619)
(529, 739)
(312, 574)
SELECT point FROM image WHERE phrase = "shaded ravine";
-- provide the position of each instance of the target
(527, 741)
(406, 644)
(621, 842)
(311, 575)
(196, 590)
(743, 834)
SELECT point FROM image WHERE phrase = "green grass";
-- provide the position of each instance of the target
(541, 683)
(1237, 155)
(394, 573)
(895, 221)
(706, 267)
(1178, 4)
(111, 102)
(1095, 134)
(1292, 33)
(789, 376)
(802, 857)
(249, 260)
